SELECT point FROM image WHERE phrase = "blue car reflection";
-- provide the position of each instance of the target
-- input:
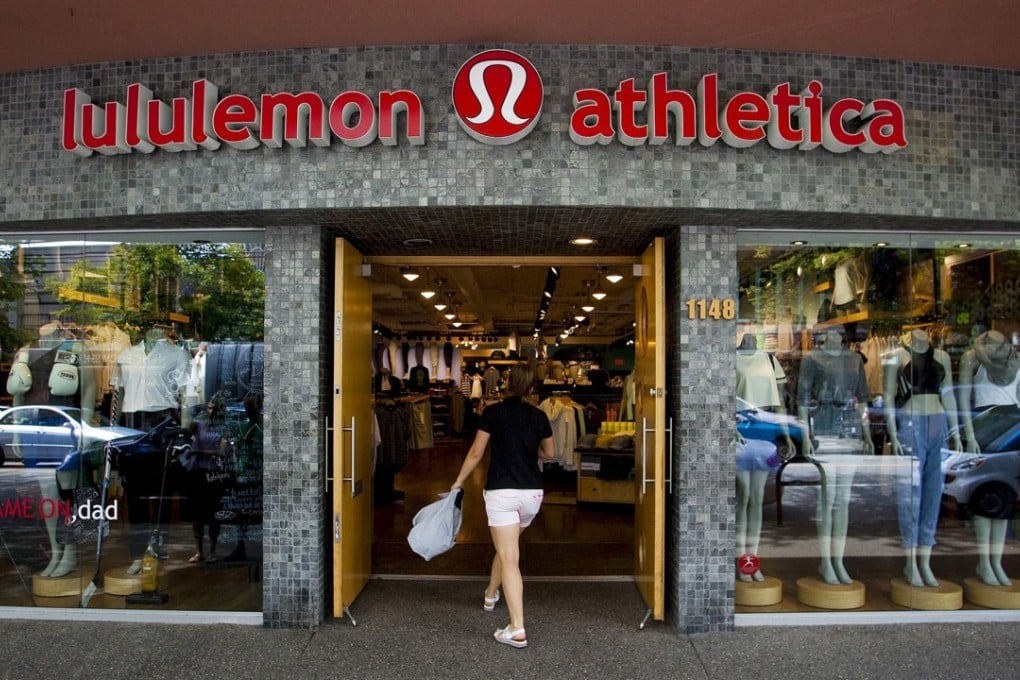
(756, 423)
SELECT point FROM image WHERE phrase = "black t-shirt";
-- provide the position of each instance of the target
(515, 429)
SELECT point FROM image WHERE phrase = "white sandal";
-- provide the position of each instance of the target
(489, 603)
(508, 637)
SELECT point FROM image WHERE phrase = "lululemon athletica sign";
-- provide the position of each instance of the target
(497, 99)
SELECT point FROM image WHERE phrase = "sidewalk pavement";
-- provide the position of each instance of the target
(430, 629)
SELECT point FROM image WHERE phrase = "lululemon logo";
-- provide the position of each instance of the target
(497, 96)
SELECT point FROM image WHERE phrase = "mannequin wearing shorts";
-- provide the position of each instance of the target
(989, 377)
(918, 428)
(758, 379)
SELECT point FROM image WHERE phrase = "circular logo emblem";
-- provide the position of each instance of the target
(497, 96)
(748, 564)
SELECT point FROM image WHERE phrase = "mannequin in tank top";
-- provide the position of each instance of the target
(989, 377)
(918, 428)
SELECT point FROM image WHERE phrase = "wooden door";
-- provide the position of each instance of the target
(650, 418)
(351, 449)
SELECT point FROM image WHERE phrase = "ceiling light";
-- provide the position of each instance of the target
(450, 315)
(579, 317)
(614, 277)
(409, 273)
(798, 243)
(598, 293)
(440, 306)
(583, 241)
(428, 292)
(589, 308)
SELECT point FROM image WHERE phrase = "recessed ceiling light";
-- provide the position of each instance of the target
(418, 242)
(583, 241)
(881, 244)
(963, 245)
(798, 243)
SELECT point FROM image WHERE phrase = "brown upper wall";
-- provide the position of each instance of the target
(45, 33)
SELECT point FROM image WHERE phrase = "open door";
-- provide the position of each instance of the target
(650, 418)
(351, 449)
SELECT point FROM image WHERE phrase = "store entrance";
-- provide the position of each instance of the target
(436, 361)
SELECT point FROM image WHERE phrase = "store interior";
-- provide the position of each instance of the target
(576, 323)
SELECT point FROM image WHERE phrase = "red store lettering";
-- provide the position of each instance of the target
(784, 119)
(207, 120)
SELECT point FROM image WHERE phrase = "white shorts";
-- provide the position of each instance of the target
(506, 507)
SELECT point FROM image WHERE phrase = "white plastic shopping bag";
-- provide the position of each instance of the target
(434, 529)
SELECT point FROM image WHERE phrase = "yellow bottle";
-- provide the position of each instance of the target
(150, 570)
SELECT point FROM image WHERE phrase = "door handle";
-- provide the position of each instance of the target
(669, 458)
(354, 453)
(328, 450)
(644, 455)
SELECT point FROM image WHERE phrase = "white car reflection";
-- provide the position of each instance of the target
(46, 434)
(987, 483)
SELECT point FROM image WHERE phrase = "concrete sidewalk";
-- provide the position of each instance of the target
(415, 629)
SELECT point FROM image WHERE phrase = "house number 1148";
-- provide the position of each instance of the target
(711, 309)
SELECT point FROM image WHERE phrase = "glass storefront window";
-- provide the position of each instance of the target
(879, 421)
(131, 421)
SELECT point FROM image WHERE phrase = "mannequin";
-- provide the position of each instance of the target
(989, 377)
(55, 373)
(850, 283)
(832, 394)
(918, 427)
(758, 380)
(150, 379)
(755, 459)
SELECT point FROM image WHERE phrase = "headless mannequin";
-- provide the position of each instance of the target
(764, 385)
(923, 426)
(63, 558)
(750, 496)
(834, 495)
(995, 385)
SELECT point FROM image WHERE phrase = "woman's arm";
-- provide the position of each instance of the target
(472, 459)
(547, 449)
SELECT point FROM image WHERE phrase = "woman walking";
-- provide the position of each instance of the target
(517, 435)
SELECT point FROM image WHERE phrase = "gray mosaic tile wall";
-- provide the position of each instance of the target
(701, 381)
(293, 503)
(962, 124)
(962, 165)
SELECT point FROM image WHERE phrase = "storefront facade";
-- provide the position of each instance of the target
(946, 166)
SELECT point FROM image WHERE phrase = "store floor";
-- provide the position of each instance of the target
(566, 540)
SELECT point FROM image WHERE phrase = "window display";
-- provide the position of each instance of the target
(131, 429)
(888, 371)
